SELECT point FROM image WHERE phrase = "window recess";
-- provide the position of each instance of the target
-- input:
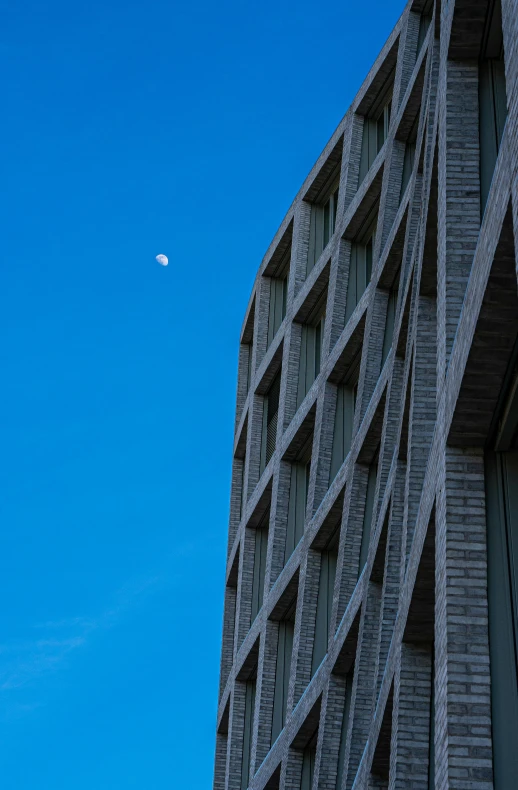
(299, 486)
(391, 317)
(344, 416)
(326, 586)
(323, 220)
(424, 25)
(260, 550)
(308, 764)
(376, 126)
(278, 295)
(368, 512)
(270, 417)
(283, 669)
(409, 160)
(311, 348)
(360, 269)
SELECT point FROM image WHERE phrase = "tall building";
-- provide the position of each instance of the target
(370, 632)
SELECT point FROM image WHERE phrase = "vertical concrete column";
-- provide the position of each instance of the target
(364, 681)
(300, 248)
(407, 55)
(351, 164)
(350, 544)
(278, 524)
(392, 576)
(409, 769)
(235, 738)
(510, 31)
(262, 312)
(422, 409)
(338, 281)
(227, 644)
(291, 772)
(463, 753)
(304, 635)
(237, 500)
(220, 761)
(328, 749)
(264, 695)
(244, 587)
(459, 188)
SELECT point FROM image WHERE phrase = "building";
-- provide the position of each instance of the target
(371, 607)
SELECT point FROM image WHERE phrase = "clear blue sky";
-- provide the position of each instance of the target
(131, 129)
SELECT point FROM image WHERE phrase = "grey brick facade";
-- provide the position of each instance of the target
(402, 697)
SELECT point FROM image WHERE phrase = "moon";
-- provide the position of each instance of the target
(162, 259)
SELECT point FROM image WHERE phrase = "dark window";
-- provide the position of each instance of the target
(409, 160)
(360, 269)
(308, 767)
(261, 547)
(323, 222)
(311, 348)
(344, 417)
(282, 670)
(391, 318)
(424, 25)
(270, 415)
(324, 602)
(299, 485)
(368, 514)
(278, 295)
(375, 128)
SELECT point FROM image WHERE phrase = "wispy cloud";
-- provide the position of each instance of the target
(50, 644)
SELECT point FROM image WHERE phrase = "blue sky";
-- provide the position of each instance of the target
(131, 129)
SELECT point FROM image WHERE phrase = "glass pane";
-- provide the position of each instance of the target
(368, 260)
(327, 222)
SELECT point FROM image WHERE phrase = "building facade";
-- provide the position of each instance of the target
(370, 631)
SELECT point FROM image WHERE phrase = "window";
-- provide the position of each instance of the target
(368, 514)
(391, 318)
(311, 348)
(242, 503)
(247, 729)
(261, 547)
(278, 295)
(323, 222)
(344, 417)
(299, 485)
(249, 368)
(408, 162)
(282, 670)
(270, 415)
(424, 25)
(375, 128)
(492, 98)
(308, 765)
(324, 602)
(360, 270)
(502, 548)
(245, 353)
